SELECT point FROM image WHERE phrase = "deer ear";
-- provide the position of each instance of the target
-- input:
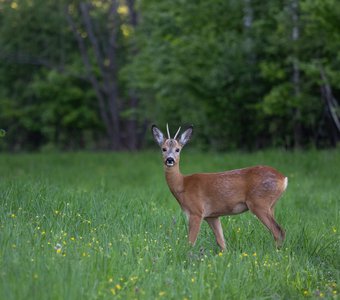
(186, 136)
(157, 135)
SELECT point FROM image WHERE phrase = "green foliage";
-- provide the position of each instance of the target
(231, 79)
(67, 120)
(193, 71)
(84, 231)
(56, 111)
(231, 68)
(40, 106)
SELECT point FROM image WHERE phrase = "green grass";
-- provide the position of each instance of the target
(123, 236)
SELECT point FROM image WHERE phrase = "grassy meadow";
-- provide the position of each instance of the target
(105, 226)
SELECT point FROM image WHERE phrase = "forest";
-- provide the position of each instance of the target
(94, 75)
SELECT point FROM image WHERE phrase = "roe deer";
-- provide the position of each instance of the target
(207, 196)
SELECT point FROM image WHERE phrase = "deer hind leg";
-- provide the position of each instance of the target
(215, 225)
(194, 228)
(266, 216)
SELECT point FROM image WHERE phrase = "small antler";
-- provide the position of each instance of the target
(167, 129)
(177, 132)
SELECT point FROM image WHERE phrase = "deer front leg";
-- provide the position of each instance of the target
(194, 228)
(215, 225)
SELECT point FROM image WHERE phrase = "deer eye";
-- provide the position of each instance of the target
(177, 150)
(163, 149)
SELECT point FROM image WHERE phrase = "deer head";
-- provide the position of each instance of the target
(171, 147)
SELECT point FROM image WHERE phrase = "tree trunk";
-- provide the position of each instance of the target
(332, 108)
(132, 123)
(104, 84)
(296, 74)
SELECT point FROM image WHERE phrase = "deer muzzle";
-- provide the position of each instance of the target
(169, 162)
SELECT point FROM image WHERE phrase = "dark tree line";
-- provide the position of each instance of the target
(94, 74)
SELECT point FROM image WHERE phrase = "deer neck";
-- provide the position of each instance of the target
(175, 180)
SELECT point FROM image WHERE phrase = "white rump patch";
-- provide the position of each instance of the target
(285, 183)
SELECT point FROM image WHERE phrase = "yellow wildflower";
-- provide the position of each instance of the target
(123, 9)
(14, 5)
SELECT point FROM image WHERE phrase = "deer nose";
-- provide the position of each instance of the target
(170, 161)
